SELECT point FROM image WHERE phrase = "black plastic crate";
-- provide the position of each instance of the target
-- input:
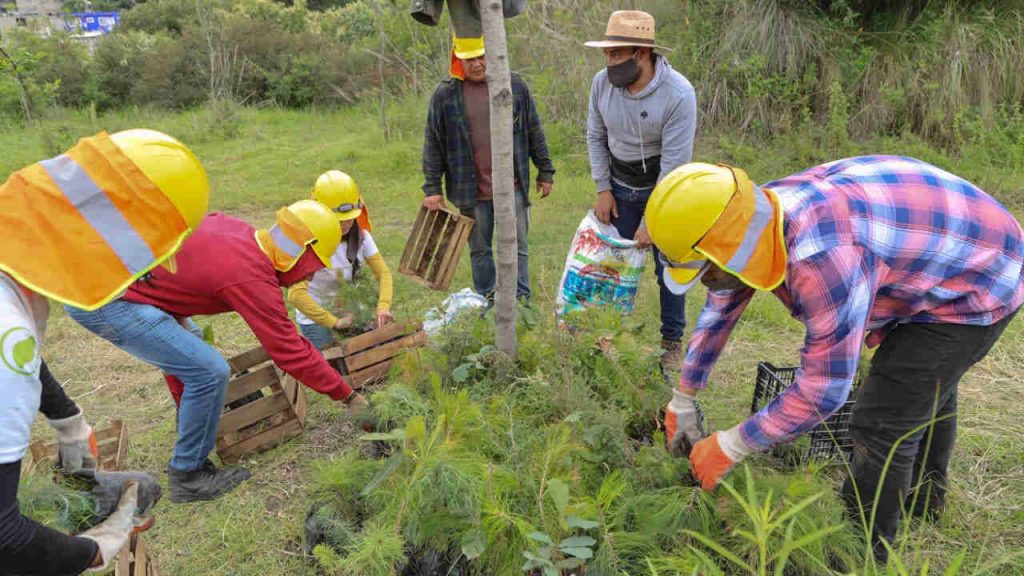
(828, 440)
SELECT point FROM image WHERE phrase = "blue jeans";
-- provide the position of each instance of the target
(319, 336)
(155, 337)
(632, 202)
(482, 256)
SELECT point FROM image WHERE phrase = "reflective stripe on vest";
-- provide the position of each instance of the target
(746, 240)
(81, 227)
(285, 243)
(761, 218)
(97, 209)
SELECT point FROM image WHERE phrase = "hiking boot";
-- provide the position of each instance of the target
(671, 361)
(206, 483)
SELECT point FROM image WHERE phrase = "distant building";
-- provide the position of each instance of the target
(44, 17)
(40, 16)
(90, 22)
(39, 7)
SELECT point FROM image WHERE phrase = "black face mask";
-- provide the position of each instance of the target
(625, 73)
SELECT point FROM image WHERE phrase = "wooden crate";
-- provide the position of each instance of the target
(435, 244)
(136, 559)
(367, 358)
(112, 442)
(263, 407)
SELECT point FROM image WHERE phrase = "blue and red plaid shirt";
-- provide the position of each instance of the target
(872, 242)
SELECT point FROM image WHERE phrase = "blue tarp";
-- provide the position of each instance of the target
(92, 21)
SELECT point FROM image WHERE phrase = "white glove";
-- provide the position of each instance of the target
(684, 424)
(112, 534)
(76, 443)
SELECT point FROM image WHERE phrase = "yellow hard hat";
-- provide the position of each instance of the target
(701, 214)
(322, 225)
(681, 210)
(468, 48)
(339, 192)
(170, 165)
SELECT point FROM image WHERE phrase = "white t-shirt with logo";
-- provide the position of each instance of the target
(324, 285)
(20, 389)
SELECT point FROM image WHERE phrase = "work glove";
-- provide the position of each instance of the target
(76, 442)
(360, 413)
(684, 423)
(713, 457)
(112, 535)
(106, 489)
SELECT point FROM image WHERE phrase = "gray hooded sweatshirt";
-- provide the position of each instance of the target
(660, 120)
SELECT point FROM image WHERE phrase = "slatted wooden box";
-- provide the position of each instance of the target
(263, 407)
(112, 442)
(135, 560)
(367, 358)
(434, 247)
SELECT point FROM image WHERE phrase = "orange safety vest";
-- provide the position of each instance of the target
(82, 227)
(758, 256)
(285, 241)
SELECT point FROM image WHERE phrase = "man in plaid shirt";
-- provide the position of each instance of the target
(457, 149)
(882, 249)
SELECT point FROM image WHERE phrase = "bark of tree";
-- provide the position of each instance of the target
(499, 84)
(26, 99)
(382, 40)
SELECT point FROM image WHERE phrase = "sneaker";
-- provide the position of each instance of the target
(206, 483)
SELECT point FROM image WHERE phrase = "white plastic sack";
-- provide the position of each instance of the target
(455, 304)
(602, 269)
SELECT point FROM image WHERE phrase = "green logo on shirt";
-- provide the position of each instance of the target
(19, 351)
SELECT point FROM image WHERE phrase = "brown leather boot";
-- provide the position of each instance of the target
(672, 357)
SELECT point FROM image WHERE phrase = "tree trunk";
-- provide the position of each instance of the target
(382, 41)
(499, 84)
(26, 99)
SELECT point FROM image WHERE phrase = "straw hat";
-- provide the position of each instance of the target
(628, 28)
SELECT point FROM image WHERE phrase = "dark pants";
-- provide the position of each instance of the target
(912, 383)
(481, 254)
(632, 202)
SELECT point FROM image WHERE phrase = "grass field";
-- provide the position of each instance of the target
(260, 160)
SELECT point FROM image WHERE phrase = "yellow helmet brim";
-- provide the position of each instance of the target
(469, 54)
(349, 215)
(679, 280)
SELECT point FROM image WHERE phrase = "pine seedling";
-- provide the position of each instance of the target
(53, 504)
(767, 539)
(359, 298)
(378, 550)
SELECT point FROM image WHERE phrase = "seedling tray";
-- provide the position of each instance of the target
(434, 247)
(135, 560)
(112, 442)
(829, 441)
(366, 359)
(263, 407)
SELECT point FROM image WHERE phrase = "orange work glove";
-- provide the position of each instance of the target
(713, 457)
(684, 424)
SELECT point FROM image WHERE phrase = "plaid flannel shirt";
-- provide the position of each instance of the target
(872, 242)
(448, 151)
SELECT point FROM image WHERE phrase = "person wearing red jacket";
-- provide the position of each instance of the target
(225, 266)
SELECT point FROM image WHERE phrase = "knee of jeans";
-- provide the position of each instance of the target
(218, 372)
(479, 251)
